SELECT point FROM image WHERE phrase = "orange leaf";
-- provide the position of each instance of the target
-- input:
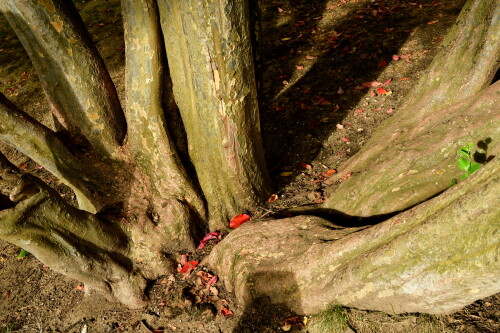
(306, 166)
(330, 172)
(238, 220)
(226, 312)
(272, 198)
(381, 91)
(347, 175)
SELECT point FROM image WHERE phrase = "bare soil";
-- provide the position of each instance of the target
(323, 64)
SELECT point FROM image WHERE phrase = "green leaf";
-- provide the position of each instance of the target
(474, 167)
(463, 154)
(470, 146)
(453, 182)
(464, 176)
(463, 164)
(22, 254)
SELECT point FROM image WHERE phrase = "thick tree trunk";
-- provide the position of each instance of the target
(72, 73)
(209, 52)
(411, 156)
(434, 258)
(71, 241)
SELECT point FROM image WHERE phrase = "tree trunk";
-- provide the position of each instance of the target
(71, 241)
(83, 96)
(209, 53)
(435, 258)
(411, 156)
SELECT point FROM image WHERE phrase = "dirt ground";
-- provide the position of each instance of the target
(331, 71)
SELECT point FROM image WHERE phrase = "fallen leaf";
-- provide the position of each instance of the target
(299, 67)
(79, 287)
(188, 267)
(336, 107)
(273, 198)
(358, 111)
(280, 10)
(432, 22)
(340, 127)
(381, 91)
(306, 166)
(330, 172)
(389, 111)
(209, 236)
(226, 312)
(238, 220)
(212, 280)
(346, 139)
(405, 79)
(308, 57)
(395, 57)
(371, 84)
(388, 81)
(279, 108)
(373, 93)
(382, 63)
(286, 174)
(347, 175)
(184, 258)
(340, 91)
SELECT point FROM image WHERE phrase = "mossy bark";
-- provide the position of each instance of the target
(173, 198)
(70, 241)
(434, 258)
(411, 156)
(71, 71)
(209, 53)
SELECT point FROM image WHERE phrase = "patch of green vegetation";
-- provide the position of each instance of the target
(332, 320)
(466, 162)
(22, 254)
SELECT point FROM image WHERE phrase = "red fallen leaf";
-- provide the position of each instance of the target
(238, 220)
(347, 175)
(299, 23)
(346, 139)
(405, 79)
(188, 267)
(226, 312)
(432, 22)
(273, 198)
(371, 84)
(395, 57)
(330, 172)
(306, 166)
(381, 91)
(292, 320)
(382, 63)
(209, 236)
(388, 81)
(358, 111)
(308, 57)
(373, 93)
(299, 67)
(279, 108)
(336, 107)
(389, 111)
(79, 287)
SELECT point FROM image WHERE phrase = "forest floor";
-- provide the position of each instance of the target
(332, 71)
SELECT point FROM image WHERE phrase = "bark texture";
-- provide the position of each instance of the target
(435, 258)
(174, 204)
(411, 156)
(83, 96)
(209, 53)
(71, 241)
